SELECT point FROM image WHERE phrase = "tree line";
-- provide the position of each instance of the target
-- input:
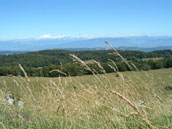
(53, 63)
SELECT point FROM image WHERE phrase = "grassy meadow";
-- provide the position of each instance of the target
(122, 100)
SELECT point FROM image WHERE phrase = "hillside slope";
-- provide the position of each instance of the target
(88, 101)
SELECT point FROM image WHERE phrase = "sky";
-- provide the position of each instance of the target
(21, 19)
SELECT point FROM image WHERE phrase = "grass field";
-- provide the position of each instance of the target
(94, 101)
(147, 59)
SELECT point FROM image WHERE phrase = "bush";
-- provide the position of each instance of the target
(145, 67)
(169, 88)
(157, 65)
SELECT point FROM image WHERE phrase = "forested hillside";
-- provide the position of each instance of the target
(42, 62)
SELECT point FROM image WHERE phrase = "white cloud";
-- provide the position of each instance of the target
(86, 36)
(83, 36)
(170, 34)
(49, 36)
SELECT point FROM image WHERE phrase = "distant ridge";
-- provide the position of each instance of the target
(123, 48)
(92, 49)
(12, 52)
(137, 42)
(146, 49)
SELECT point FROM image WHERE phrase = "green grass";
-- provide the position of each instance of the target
(147, 59)
(86, 101)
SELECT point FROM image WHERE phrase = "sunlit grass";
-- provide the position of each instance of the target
(85, 102)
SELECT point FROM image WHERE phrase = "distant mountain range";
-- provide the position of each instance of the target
(91, 49)
(144, 43)
(12, 52)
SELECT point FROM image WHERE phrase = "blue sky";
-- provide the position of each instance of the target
(55, 18)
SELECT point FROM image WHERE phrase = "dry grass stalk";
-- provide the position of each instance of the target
(99, 65)
(117, 54)
(79, 61)
(3, 126)
(56, 70)
(82, 63)
(16, 82)
(25, 74)
(134, 66)
(116, 67)
(134, 107)
(112, 67)
(58, 89)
